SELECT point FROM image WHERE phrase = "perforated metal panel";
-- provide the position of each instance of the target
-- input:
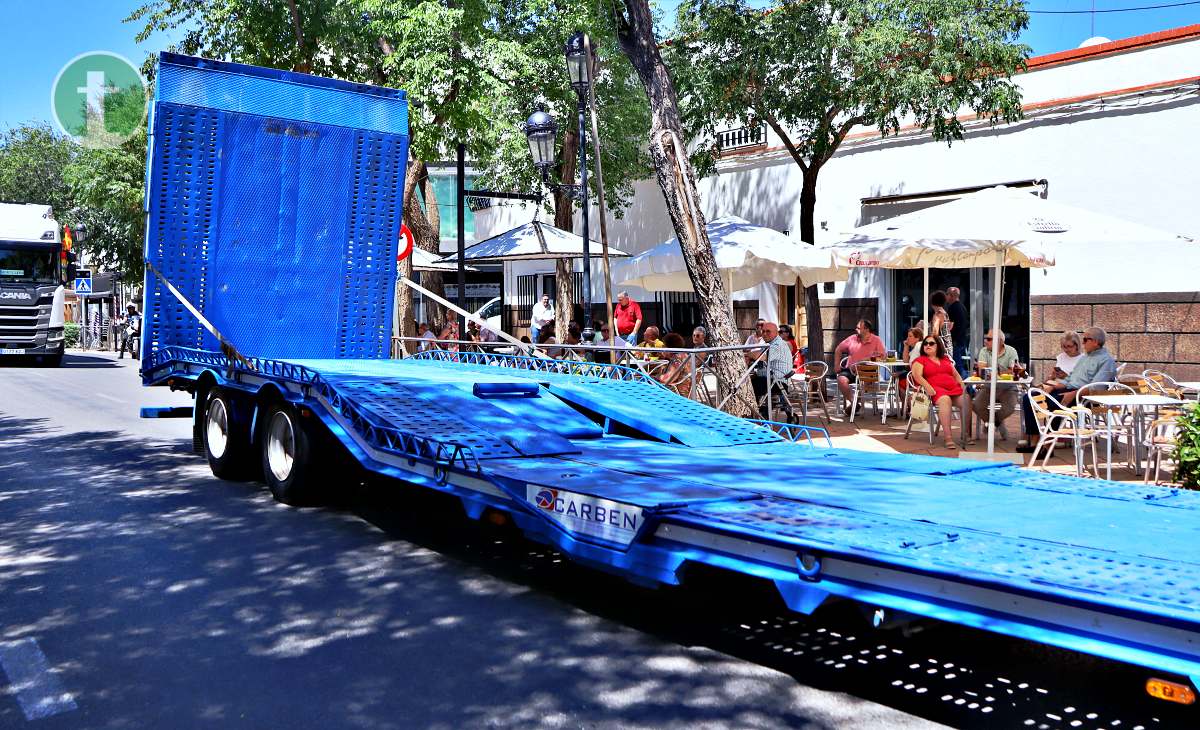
(375, 209)
(182, 189)
(271, 212)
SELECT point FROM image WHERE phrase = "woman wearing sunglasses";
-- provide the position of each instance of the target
(937, 376)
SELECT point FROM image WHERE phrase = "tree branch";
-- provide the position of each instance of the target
(771, 121)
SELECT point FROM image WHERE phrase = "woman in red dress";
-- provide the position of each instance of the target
(937, 376)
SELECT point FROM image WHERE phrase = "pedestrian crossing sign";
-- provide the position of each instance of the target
(83, 286)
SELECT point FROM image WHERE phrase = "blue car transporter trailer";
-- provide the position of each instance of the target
(274, 203)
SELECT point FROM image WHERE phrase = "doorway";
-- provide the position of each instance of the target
(976, 288)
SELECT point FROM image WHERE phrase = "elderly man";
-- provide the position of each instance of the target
(628, 315)
(1096, 366)
(864, 344)
(778, 367)
(649, 342)
(1006, 397)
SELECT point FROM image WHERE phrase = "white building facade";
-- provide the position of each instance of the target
(1109, 127)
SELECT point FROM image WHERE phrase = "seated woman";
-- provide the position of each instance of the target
(937, 376)
(911, 351)
(677, 375)
(912, 345)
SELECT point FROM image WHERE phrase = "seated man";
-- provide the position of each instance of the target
(778, 365)
(1096, 366)
(650, 340)
(864, 344)
(1006, 397)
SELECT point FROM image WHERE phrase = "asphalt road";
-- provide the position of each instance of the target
(160, 597)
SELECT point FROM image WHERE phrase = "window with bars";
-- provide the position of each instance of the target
(742, 137)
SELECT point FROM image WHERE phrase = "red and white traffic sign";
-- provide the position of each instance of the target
(406, 243)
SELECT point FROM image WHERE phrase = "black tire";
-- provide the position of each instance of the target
(226, 430)
(288, 458)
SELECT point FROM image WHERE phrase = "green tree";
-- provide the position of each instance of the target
(33, 158)
(541, 28)
(107, 187)
(677, 179)
(449, 55)
(814, 71)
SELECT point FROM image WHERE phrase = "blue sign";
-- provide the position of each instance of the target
(83, 286)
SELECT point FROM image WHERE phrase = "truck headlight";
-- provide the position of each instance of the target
(54, 335)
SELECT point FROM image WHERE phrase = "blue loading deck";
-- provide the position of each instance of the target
(1101, 567)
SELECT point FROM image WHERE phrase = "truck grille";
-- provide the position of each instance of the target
(18, 325)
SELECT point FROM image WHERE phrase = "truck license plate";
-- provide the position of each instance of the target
(12, 351)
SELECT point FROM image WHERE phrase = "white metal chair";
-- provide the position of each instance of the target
(1055, 423)
(876, 382)
(812, 388)
(1164, 384)
(934, 420)
(1111, 423)
(1161, 443)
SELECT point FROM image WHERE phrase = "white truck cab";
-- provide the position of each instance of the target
(31, 288)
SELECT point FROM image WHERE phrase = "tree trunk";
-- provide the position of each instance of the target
(564, 218)
(426, 228)
(808, 234)
(677, 180)
(404, 320)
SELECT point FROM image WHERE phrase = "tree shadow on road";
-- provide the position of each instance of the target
(164, 597)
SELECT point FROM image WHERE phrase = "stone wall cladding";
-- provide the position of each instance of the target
(839, 316)
(1158, 330)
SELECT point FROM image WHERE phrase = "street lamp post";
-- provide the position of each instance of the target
(579, 69)
(540, 131)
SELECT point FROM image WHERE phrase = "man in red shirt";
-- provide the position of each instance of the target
(864, 344)
(629, 318)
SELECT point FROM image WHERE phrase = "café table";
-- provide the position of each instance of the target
(1021, 384)
(1137, 402)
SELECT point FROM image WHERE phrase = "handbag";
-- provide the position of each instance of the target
(919, 408)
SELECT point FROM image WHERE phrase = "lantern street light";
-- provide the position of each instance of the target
(540, 131)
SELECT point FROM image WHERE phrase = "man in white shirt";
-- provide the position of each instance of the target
(543, 314)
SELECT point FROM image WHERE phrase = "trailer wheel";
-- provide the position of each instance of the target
(227, 443)
(287, 456)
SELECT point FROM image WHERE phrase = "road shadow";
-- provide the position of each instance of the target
(166, 598)
(70, 360)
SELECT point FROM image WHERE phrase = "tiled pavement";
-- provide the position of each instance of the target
(867, 433)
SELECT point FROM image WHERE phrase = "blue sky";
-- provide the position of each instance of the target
(43, 35)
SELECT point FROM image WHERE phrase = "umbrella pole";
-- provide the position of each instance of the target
(997, 288)
(925, 311)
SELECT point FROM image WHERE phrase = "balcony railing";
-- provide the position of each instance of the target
(742, 138)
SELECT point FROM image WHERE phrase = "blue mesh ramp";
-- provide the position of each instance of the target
(274, 206)
(636, 401)
(448, 415)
